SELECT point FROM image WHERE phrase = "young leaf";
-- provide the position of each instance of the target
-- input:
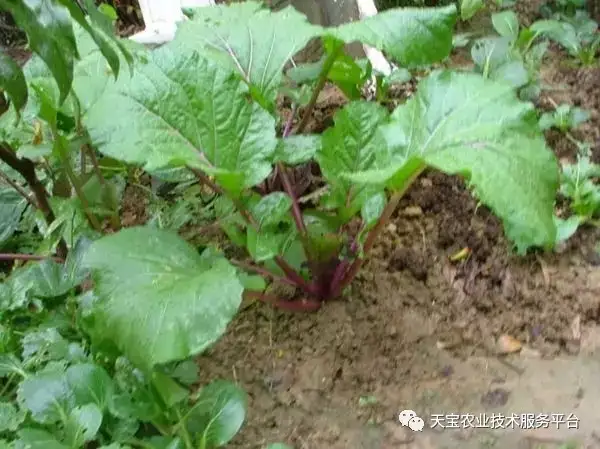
(506, 23)
(352, 145)
(47, 396)
(218, 414)
(184, 110)
(50, 35)
(271, 209)
(463, 124)
(250, 40)
(12, 81)
(82, 425)
(297, 149)
(412, 36)
(159, 300)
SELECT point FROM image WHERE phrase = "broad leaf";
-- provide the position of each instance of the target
(218, 414)
(464, 124)
(12, 81)
(351, 146)
(82, 425)
(50, 35)
(90, 384)
(250, 40)
(37, 439)
(160, 300)
(412, 36)
(183, 110)
(47, 396)
(506, 23)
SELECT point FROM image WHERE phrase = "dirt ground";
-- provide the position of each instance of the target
(419, 331)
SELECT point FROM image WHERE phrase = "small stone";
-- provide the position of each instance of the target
(495, 398)
(425, 182)
(508, 345)
(526, 351)
(412, 211)
(391, 227)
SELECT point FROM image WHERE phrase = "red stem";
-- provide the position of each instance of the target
(263, 272)
(13, 256)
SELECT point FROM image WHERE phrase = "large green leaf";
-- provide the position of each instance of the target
(90, 384)
(50, 34)
(412, 36)
(10, 417)
(218, 414)
(463, 124)
(351, 146)
(12, 81)
(160, 300)
(250, 40)
(181, 109)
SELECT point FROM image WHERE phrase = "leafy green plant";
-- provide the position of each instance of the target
(513, 57)
(578, 35)
(206, 101)
(565, 117)
(579, 185)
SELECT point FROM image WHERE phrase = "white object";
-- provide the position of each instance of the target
(367, 8)
(161, 18)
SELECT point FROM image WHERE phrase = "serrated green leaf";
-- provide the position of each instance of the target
(12, 81)
(90, 384)
(183, 110)
(271, 209)
(12, 206)
(352, 145)
(159, 300)
(463, 124)
(412, 36)
(297, 149)
(506, 23)
(268, 242)
(10, 417)
(218, 414)
(249, 39)
(47, 396)
(105, 47)
(82, 425)
(50, 35)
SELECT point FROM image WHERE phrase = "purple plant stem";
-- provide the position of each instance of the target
(287, 130)
(337, 278)
(12, 256)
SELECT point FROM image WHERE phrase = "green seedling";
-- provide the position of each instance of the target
(564, 118)
(579, 185)
(578, 35)
(514, 57)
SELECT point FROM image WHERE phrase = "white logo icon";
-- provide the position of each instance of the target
(416, 424)
(408, 418)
